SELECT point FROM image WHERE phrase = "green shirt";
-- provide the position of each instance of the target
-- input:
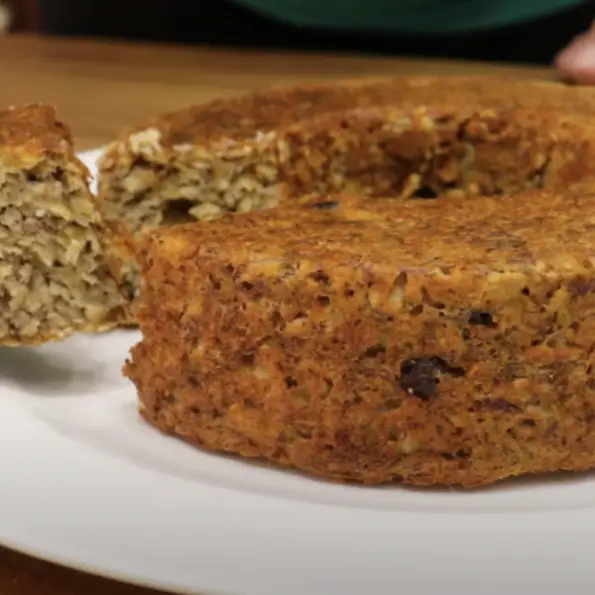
(408, 16)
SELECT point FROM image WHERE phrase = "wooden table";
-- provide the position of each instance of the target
(101, 88)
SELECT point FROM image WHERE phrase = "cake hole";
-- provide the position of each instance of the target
(430, 301)
(374, 351)
(290, 382)
(327, 205)
(458, 455)
(481, 318)
(321, 277)
(176, 211)
(417, 310)
(248, 358)
(425, 192)
(214, 282)
(391, 404)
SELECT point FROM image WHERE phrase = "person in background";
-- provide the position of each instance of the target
(512, 31)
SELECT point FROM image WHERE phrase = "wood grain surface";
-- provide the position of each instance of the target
(101, 88)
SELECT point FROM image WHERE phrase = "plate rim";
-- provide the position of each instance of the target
(92, 544)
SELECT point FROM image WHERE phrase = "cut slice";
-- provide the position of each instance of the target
(53, 275)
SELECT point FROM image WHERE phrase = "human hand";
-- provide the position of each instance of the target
(577, 59)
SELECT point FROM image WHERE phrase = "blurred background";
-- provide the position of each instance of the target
(506, 31)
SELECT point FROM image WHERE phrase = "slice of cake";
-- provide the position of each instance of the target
(416, 138)
(53, 276)
(426, 342)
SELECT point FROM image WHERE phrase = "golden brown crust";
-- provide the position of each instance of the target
(32, 132)
(34, 128)
(486, 232)
(428, 342)
(240, 118)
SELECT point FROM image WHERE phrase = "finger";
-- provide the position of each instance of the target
(577, 60)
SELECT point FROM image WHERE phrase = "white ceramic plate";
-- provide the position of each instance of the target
(84, 482)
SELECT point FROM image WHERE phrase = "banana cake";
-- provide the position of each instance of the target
(53, 274)
(405, 137)
(433, 342)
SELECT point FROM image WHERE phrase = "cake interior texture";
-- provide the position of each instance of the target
(434, 342)
(54, 279)
(376, 152)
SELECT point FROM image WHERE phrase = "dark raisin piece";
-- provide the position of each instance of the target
(290, 382)
(422, 386)
(421, 376)
(374, 351)
(446, 368)
(326, 205)
(425, 192)
(479, 318)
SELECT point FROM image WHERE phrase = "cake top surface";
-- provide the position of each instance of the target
(247, 116)
(32, 132)
(537, 230)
